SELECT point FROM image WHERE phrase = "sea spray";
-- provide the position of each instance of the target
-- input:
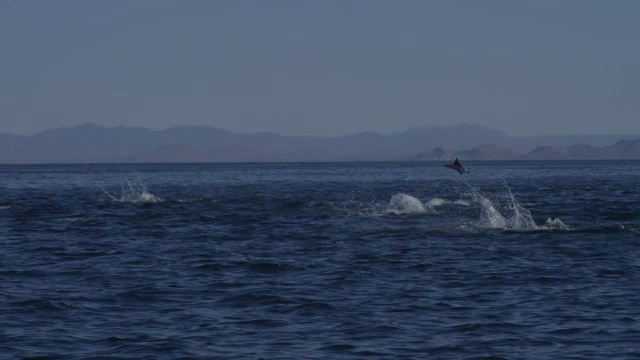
(133, 193)
(555, 224)
(490, 217)
(436, 202)
(521, 218)
(406, 204)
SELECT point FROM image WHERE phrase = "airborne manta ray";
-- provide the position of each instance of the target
(457, 167)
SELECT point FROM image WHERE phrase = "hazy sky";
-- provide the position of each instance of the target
(322, 67)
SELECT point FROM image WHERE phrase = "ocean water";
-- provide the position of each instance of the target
(515, 260)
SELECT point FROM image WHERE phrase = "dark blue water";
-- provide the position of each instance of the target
(522, 260)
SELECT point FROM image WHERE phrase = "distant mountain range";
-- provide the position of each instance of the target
(623, 149)
(93, 143)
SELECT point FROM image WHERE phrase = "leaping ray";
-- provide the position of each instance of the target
(457, 167)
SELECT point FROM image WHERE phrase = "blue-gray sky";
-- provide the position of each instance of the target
(329, 67)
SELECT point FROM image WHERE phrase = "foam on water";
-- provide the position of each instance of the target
(508, 214)
(437, 202)
(555, 224)
(462, 202)
(440, 202)
(406, 204)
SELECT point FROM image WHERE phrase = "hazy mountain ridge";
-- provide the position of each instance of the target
(93, 143)
(624, 149)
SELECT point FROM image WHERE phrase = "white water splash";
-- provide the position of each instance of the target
(437, 202)
(555, 224)
(406, 204)
(133, 193)
(515, 218)
(440, 202)
(519, 218)
(490, 217)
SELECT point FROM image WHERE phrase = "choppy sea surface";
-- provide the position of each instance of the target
(514, 260)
